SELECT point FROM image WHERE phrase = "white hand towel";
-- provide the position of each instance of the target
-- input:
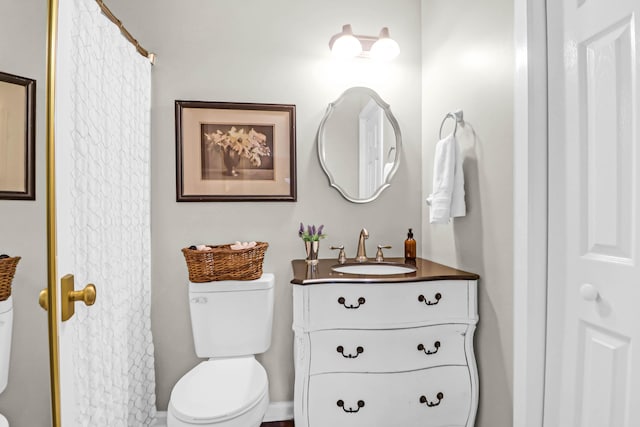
(242, 245)
(447, 198)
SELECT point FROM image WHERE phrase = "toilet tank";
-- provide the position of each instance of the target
(6, 326)
(232, 318)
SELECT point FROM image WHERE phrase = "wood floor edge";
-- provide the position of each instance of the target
(288, 423)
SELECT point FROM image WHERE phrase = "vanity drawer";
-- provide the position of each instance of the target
(430, 397)
(385, 305)
(387, 350)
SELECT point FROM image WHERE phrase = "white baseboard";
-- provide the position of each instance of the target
(277, 411)
(161, 419)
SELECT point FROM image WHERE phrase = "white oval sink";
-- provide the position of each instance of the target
(374, 269)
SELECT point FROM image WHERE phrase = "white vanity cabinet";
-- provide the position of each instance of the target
(385, 354)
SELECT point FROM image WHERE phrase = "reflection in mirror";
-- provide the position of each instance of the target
(24, 356)
(359, 144)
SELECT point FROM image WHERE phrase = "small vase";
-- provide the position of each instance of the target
(231, 159)
(312, 251)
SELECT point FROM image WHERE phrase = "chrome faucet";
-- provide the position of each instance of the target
(342, 257)
(379, 254)
(361, 256)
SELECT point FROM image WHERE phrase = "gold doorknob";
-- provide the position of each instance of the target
(43, 299)
(70, 296)
(87, 295)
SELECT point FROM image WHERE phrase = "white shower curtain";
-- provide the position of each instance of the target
(102, 171)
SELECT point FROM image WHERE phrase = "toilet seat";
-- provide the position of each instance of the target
(218, 390)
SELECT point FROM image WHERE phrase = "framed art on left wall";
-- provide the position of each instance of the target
(228, 151)
(17, 137)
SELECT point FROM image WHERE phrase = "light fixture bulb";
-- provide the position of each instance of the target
(345, 44)
(385, 48)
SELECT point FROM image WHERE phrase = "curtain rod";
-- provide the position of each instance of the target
(127, 35)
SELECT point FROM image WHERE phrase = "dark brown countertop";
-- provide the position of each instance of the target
(304, 274)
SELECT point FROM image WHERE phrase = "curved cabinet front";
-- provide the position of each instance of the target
(374, 305)
(386, 350)
(385, 354)
(429, 397)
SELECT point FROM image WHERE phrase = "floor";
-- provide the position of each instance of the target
(271, 424)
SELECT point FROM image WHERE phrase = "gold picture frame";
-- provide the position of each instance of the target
(231, 151)
(17, 137)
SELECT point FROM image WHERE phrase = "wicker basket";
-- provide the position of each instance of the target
(7, 270)
(224, 263)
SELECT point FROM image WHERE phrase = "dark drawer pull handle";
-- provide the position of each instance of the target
(439, 396)
(428, 352)
(359, 350)
(340, 403)
(438, 297)
(342, 301)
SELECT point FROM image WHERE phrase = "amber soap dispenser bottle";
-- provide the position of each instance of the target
(410, 246)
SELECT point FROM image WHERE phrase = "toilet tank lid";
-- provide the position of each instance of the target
(266, 281)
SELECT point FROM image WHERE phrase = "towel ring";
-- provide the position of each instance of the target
(457, 116)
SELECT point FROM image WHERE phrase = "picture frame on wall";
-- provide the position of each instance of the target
(17, 137)
(232, 151)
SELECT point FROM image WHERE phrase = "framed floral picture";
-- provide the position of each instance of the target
(231, 151)
(17, 137)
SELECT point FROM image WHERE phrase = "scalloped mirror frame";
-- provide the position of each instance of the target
(321, 143)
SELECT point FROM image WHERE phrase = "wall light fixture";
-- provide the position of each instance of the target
(345, 44)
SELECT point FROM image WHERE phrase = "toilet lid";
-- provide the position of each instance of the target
(217, 390)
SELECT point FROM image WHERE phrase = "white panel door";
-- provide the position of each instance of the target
(593, 359)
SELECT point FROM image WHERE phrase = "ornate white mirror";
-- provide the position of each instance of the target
(359, 144)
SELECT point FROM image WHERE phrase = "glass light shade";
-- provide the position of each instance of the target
(346, 46)
(385, 48)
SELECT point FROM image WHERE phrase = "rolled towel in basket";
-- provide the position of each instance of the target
(242, 245)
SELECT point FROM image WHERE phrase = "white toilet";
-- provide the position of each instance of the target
(231, 321)
(6, 327)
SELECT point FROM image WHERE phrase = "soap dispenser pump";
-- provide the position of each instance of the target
(410, 246)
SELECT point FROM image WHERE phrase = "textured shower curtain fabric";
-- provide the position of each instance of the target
(109, 126)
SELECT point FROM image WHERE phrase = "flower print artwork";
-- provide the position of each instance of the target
(230, 150)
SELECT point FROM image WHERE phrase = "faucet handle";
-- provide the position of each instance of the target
(379, 254)
(342, 257)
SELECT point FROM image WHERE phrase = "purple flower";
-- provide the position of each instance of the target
(311, 233)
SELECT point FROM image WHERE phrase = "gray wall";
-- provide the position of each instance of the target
(468, 63)
(274, 52)
(23, 26)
